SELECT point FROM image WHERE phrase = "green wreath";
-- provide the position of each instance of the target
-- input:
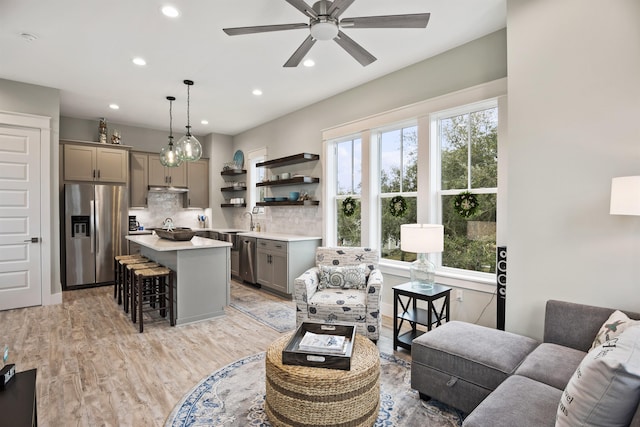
(348, 206)
(397, 206)
(465, 204)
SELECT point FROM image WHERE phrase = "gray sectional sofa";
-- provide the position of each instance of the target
(504, 379)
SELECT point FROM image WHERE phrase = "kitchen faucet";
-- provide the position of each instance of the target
(251, 225)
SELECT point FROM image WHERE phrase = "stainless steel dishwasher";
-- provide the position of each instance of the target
(232, 238)
(247, 259)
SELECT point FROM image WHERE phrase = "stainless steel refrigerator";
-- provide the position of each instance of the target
(96, 224)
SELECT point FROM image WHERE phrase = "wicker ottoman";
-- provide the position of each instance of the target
(300, 395)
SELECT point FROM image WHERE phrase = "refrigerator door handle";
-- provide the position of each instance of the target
(92, 229)
(95, 224)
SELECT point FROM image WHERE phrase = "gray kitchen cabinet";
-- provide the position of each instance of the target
(198, 183)
(280, 262)
(88, 162)
(162, 176)
(138, 179)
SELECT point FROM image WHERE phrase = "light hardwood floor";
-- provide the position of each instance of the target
(95, 369)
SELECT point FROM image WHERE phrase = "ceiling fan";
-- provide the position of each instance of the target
(325, 24)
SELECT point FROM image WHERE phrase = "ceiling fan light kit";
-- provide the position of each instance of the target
(325, 24)
(188, 147)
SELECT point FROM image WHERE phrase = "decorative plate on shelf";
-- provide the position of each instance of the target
(281, 199)
(238, 159)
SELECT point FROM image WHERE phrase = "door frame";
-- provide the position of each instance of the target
(48, 215)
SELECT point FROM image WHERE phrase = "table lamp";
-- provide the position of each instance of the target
(625, 195)
(422, 239)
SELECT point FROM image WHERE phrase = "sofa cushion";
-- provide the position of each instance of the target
(605, 389)
(551, 364)
(477, 354)
(347, 277)
(612, 327)
(518, 401)
(341, 305)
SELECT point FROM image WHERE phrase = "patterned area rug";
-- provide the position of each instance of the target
(269, 310)
(234, 396)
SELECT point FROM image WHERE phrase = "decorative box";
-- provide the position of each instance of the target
(293, 355)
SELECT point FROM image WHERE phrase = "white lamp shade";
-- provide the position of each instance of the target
(422, 238)
(625, 195)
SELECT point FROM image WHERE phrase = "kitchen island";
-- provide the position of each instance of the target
(202, 271)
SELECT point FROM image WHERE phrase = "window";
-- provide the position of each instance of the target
(468, 153)
(348, 163)
(398, 177)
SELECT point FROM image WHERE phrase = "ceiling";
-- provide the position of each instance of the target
(85, 48)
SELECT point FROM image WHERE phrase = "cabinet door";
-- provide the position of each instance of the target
(139, 179)
(79, 163)
(280, 272)
(177, 176)
(198, 183)
(156, 171)
(264, 272)
(112, 165)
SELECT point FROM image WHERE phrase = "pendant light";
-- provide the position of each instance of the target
(188, 147)
(169, 154)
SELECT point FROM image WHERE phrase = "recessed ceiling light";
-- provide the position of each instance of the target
(170, 11)
(309, 63)
(139, 61)
(204, 122)
(257, 92)
(114, 106)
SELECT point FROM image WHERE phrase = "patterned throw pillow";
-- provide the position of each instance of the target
(347, 277)
(615, 324)
(605, 389)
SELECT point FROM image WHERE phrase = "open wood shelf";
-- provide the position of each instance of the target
(290, 203)
(233, 172)
(290, 181)
(289, 160)
(233, 188)
(234, 205)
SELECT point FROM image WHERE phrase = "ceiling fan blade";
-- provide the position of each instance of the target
(416, 20)
(338, 7)
(303, 7)
(262, 29)
(354, 49)
(300, 52)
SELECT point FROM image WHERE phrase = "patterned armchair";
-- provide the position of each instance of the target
(344, 286)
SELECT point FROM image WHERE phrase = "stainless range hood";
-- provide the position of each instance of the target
(167, 189)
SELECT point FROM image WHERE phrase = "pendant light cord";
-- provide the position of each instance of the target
(170, 121)
(188, 109)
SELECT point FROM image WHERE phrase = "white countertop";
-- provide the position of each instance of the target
(163, 245)
(278, 236)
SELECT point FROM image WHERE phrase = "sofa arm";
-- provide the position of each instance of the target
(305, 286)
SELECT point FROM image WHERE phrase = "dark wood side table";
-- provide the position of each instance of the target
(408, 310)
(18, 401)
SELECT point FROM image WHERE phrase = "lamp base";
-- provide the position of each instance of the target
(423, 273)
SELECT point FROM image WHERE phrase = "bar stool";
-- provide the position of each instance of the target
(151, 285)
(121, 273)
(116, 271)
(127, 282)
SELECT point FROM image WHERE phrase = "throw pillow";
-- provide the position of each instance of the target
(347, 277)
(605, 389)
(614, 326)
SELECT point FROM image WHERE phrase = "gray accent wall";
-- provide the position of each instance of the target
(574, 123)
(43, 101)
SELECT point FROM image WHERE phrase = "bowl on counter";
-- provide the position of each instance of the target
(178, 233)
(294, 196)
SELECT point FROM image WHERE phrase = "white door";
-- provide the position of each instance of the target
(20, 268)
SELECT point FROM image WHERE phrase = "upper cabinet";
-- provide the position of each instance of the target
(162, 176)
(139, 179)
(94, 162)
(147, 171)
(198, 182)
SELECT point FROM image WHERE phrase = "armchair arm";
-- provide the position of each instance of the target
(305, 286)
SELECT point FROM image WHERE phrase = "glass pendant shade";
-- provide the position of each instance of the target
(188, 147)
(169, 155)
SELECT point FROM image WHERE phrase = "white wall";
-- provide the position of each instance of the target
(574, 123)
(31, 99)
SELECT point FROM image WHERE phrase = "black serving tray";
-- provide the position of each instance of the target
(292, 355)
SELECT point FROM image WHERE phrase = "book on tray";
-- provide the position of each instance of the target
(333, 344)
